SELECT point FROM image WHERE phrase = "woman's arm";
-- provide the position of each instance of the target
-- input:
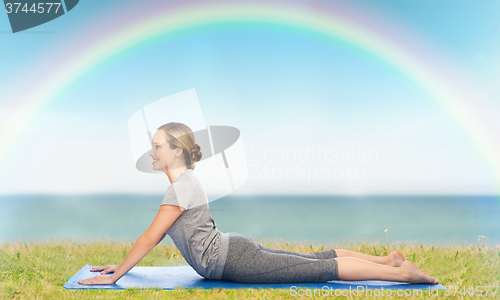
(161, 239)
(149, 239)
(138, 251)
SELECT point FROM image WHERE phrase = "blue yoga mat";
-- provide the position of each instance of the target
(170, 277)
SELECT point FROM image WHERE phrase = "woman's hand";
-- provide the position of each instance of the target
(108, 279)
(99, 279)
(105, 269)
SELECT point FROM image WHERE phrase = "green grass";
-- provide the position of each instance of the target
(39, 270)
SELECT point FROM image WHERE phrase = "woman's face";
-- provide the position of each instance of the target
(161, 151)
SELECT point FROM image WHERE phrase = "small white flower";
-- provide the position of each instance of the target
(481, 237)
(386, 231)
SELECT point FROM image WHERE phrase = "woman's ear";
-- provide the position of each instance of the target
(178, 151)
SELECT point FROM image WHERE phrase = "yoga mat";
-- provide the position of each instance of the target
(170, 277)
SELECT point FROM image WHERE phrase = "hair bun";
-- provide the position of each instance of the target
(195, 153)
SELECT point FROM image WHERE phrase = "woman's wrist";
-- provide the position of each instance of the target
(113, 277)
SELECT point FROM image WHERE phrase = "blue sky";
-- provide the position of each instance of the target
(282, 88)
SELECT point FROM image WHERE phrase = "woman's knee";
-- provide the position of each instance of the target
(326, 254)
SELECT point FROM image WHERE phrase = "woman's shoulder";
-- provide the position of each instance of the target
(190, 181)
(186, 179)
(180, 192)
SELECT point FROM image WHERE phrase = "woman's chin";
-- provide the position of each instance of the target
(158, 169)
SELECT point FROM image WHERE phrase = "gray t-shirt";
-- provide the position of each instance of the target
(194, 233)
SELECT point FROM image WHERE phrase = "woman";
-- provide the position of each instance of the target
(185, 217)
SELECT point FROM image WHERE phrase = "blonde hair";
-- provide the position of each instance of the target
(180, 136)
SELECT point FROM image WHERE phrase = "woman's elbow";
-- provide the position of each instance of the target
(148, 241)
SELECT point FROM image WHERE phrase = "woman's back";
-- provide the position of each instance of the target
(194, 233)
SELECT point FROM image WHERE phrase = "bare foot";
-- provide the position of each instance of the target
(396, 259)
(413, 274)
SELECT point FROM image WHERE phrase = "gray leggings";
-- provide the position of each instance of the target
(249, 262)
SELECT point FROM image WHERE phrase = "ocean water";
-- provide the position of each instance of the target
(321, 220)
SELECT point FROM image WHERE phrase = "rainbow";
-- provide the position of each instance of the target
(165, 19)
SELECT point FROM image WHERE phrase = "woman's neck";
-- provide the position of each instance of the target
(175, 173)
